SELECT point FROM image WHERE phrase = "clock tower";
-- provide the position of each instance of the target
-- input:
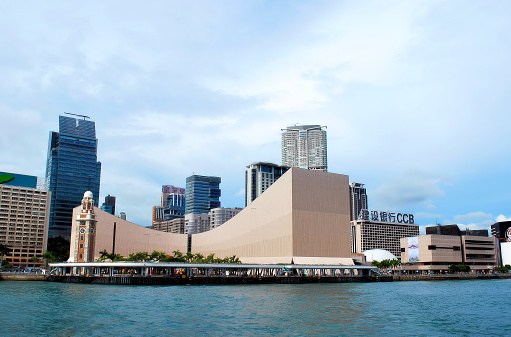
(85, 232)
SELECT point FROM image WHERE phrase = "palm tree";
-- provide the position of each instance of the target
(4, 249)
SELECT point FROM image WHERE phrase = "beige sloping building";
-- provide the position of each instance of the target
(129, 237)
(305, 213)
(304, 217)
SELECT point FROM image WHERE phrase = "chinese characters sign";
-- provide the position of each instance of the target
(391, 217)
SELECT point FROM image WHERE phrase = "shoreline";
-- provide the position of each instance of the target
(233, 280)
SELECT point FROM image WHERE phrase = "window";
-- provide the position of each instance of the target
(81, 245)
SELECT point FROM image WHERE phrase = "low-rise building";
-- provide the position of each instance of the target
(170, 226)
(436, 252)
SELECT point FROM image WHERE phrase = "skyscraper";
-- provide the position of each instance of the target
(358, 200)
(109, 205)
(260, 176)
(202, 194)
(71, 170)
(304, 146)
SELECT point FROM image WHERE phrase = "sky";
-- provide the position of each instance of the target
(415, 95)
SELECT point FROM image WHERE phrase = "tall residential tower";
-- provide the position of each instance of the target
(304, 146)
(71, 170)
(260, 176)
(358, 199)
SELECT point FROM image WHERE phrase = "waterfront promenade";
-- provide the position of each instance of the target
(148, 273)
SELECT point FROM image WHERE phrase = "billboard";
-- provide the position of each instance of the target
(19, 180)
(413, 249)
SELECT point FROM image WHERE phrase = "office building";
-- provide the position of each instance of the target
(382, 230)
(24, 211)
(220, 215)
(202, 194)
(109, 205)
(260, 176)
(358, 198)
(305, 146)
(436, 252)
(71, 169)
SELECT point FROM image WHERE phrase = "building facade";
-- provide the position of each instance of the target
(172, 204)
(260, 176)
(358, 197)
(436, 252)
(71, 169)
(24, 212)
(197, 223)
(202, 194)
(220, 215)
(502, 232)
(305, 146)
(304, 218)
(176, 226)
(368, 235)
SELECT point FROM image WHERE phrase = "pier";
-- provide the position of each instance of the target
(150, 273)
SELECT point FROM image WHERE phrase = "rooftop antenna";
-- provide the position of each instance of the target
(84, 117)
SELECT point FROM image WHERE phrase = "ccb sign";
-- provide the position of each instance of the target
(391, 217)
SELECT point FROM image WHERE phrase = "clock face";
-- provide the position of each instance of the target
(82, 230)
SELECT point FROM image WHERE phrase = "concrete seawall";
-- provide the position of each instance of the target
(445, 277)
(22, 277)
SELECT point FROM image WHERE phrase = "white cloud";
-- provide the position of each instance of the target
(502, 218)
(412, 188)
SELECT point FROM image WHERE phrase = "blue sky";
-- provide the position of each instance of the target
(415, 95)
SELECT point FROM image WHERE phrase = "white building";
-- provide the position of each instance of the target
(196, 223)
(220, 215)
(305, 146)
(260, 176)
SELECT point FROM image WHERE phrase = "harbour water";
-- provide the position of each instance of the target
(423, 308)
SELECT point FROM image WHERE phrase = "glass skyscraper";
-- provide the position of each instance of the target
(71, 170)
(202, 194)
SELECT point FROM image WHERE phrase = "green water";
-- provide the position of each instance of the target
(432, 308)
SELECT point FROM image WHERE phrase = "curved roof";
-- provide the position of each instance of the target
(87, 194)
(378, 255)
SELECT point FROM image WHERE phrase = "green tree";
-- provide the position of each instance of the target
(4, 250)
(158, 256)
(60, 248)
(188, 257)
